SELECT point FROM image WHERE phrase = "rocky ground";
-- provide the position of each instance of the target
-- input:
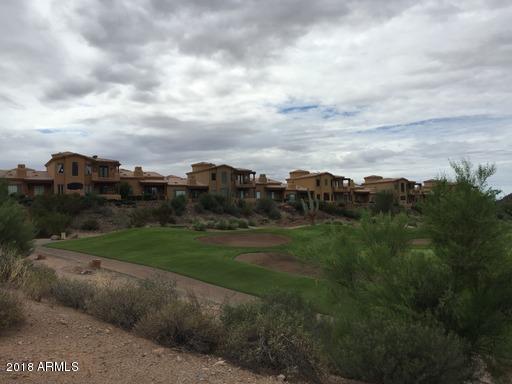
(56, 337)
(104, 354)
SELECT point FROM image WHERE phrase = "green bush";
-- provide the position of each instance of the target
(181, 324)
(273, 334)
(212, 202)
(38, 282)
(245, 208)
(16, 231)
(72, 293)
(233, 224)
(474, 246)
(90, 225)
(252, 223)
(396, 351)
(242, 223)
(164, 214)
(140, 217)
(274, 214)
(384, 202)
(198, 225)
(125, 305)
(52, 223)
(222, 224)
(11, 310)
(179, 205)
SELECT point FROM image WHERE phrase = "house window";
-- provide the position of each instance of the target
(318, 196)
(402, 197)
(317, 182)
(88, 188)
(60, 189)
(180, 193)
(224, 177)
(38, 190)
(291, 197)
(13, 188)
(272, 195)
(103, 170)
(242, 194)
(258, 194)
(74, 168)
(60, 167)
(402, 187)
(325, 182)
(214, 176)
(88, 170)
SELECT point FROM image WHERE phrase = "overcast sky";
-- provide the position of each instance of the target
(353, 87)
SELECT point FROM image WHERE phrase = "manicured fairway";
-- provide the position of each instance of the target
(177, 250)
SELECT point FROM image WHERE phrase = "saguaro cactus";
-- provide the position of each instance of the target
(311, 208)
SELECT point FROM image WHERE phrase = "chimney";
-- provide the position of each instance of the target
(94, 156)
(138, 172)
(21, 171)
(262, 178)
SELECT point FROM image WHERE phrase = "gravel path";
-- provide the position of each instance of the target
(65, 262)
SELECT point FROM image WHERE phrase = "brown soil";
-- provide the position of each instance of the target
(246, 240)
(105, 354)
(281, 262)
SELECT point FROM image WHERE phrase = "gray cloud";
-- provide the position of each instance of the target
(399, 86)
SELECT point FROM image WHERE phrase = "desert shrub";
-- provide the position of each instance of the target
(265, 206)
(125, 190)
(90, 225)
(181, 323)
(11, 310)
(179, 204)
(198, 225)
(233, 224)
(396, 351)
(212, 202)
(384, 202)
(232, 210)
(164, 214)
(13, 268)
(252, 223)
(72, 293)
(274, 214)
(245, 208)
(222, 224)
(124, 305)
(38, 282)
(52, 223)
(210, 224)
(474, 245)
(350, 213)
(16, 231)
(140, 217)
(242, 223)
(273, 334)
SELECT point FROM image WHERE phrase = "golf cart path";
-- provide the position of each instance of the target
(63, 261)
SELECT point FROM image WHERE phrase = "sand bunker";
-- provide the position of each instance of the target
(246, 240)
(281, 262)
